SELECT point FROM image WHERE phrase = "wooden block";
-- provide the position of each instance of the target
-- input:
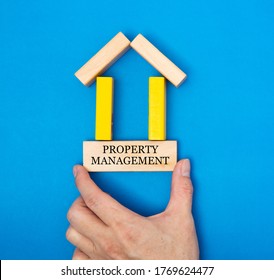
(157, 109)
(101, 156)
(104, 105)
(103, 59)
(166, 67)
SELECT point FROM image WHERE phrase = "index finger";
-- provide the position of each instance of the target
(109, 210)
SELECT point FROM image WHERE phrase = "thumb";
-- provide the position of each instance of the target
(181, 188)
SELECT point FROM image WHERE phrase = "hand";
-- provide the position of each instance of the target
(102, 228)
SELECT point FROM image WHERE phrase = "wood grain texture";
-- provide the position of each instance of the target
(157, 108)
(158, 60)
(99, 156)
(103, 59)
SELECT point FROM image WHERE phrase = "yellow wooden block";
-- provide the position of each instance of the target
(103, 59)
(166, 67)
(104, 105)
(157, 109)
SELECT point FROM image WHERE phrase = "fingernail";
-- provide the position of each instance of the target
(75, 171)
(185, 168)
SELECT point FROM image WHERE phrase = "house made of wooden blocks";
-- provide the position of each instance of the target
(132, 155)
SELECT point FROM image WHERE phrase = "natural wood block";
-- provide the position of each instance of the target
(104, 105)
(101, 156)
(103, 59)
(166, 67)
(157, 109)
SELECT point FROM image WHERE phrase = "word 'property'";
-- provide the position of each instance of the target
(130, 149)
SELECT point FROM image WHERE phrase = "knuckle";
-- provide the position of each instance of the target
(74, 209)
(91, 201)
(130, 235)
(69, 234)
(117, 224)
(187, 187)
(73, 236)
(71, 213)
(112, 249)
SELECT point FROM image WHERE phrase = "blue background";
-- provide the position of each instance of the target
(222, 117)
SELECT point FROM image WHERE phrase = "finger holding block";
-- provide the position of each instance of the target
(103, 59)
